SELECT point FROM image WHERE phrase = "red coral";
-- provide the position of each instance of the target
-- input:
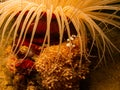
(25, 66)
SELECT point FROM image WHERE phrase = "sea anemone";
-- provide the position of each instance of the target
(33, 28)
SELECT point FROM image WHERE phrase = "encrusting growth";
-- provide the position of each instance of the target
(62, 68)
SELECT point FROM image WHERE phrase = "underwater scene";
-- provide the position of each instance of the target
(59, 44)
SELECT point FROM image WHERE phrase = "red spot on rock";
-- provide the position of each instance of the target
(25, 64)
